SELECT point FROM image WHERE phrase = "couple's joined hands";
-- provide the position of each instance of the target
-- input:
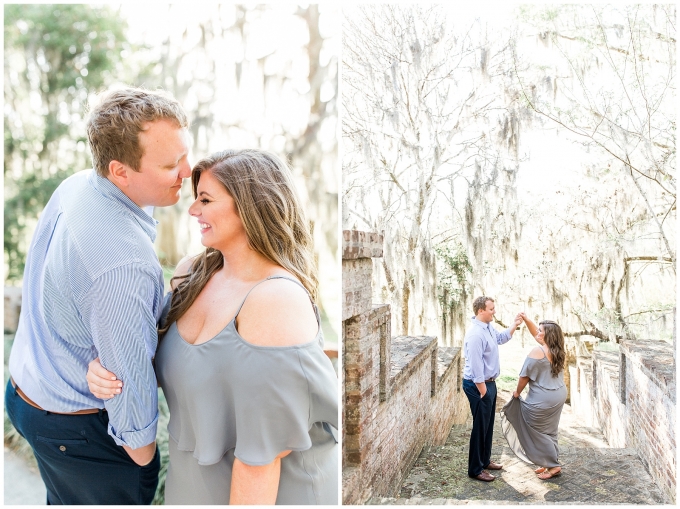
(521, 316)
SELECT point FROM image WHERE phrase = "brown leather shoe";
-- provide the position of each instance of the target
(494, 466)
(485, 476)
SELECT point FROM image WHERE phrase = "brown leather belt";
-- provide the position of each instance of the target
(28, 400)
(490, 380)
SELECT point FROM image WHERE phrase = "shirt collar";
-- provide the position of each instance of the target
(481, 324)
(109, 190)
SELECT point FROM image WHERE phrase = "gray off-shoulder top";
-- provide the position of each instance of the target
(231, 399)
(538, 371)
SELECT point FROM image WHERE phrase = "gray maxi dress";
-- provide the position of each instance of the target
(530, 424)
(231, 399)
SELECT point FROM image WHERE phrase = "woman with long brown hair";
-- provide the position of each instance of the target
(530, 424)
(252, 396)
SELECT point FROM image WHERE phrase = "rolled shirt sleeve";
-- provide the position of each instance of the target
(121, 309)
(503, 336)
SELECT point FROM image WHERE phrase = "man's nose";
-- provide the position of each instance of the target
(185, 171)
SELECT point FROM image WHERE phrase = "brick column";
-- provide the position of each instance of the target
(366, 342)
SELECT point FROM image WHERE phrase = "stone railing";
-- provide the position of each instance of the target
(631, 396)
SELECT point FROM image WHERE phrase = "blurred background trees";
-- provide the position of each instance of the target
(248, 76)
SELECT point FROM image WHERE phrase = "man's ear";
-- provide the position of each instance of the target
(118, 172)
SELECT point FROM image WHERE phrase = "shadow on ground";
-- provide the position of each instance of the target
(593, 472)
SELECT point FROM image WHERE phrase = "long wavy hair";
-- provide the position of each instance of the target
(262, 187)
(554, 340)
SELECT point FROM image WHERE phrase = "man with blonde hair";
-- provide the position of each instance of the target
(482, 367)
(93, 287)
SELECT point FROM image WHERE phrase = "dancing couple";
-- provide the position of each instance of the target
(236, 345)
(529, 424)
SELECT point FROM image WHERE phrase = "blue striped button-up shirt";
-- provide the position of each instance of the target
(92, 287)
(481, 351)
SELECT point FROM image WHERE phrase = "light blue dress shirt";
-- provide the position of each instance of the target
(481, 351)
(92, 287)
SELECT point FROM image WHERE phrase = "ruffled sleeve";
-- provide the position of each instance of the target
(530, 369)
(538, 371)
(290, 391)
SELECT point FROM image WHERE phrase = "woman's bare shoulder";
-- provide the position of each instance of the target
(536, 353)
(278, 312)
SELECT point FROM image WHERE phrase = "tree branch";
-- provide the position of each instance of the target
(595, 332)
(660, 259)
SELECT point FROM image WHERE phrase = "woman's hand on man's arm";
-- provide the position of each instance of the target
(102, 383)
(255, 485)
(105, 385)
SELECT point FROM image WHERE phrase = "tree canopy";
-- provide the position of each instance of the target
(530, 155)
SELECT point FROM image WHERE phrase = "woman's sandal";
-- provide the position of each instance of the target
(540, 470)
(547, 474)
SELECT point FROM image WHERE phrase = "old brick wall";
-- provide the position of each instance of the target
(399, 393)
(361, 347)
(402, 422)
(449, 405)
(648, 368)
(356, 287)
(581, 390)
(609, 411)
(631, 396)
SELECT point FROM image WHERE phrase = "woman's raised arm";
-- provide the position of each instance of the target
(533, 329)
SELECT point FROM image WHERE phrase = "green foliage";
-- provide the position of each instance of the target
(452, 274)
(70, 45)
(606, 346)
(31, 195)
(507, 382)
(55, 56)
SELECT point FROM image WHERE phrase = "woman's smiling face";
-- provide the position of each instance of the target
(540, 335)
(217, 214)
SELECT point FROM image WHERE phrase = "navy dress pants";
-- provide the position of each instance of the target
(79, 462)
(483, 413)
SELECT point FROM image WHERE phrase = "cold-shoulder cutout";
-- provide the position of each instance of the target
(278, 312)
(539, 372)
(537, 353)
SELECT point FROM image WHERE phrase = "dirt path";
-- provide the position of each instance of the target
(23, 485)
